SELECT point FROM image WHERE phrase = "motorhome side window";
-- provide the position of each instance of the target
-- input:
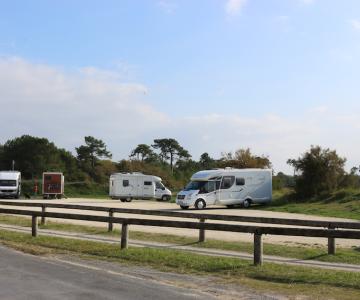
(227, 182)
(125, 182)
(147, 183)
(240, 181)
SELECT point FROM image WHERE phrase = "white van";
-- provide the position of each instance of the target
(227, 187)
(10, 184)
(128, 186)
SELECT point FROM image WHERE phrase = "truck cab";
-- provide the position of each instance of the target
(10, 184)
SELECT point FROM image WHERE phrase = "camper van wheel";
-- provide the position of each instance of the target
(200, 204)
(165, 198)
(246, 203)
(128, 199)
(184, 206)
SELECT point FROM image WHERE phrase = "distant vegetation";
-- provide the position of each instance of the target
(317, 172)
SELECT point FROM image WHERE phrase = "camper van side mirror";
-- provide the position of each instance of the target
(163, 188)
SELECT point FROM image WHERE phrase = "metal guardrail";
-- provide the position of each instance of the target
(257, 231)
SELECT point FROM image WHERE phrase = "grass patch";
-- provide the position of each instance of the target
(344, 203)
(343, 255)
(285, 279)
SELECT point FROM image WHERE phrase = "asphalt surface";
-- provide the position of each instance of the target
(24, 276)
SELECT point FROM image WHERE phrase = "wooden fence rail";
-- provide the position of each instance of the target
(258, 231)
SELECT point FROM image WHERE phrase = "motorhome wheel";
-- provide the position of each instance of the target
(128, 199)
(165, 198)
(200, 204)
(184, 206)
(246, 203)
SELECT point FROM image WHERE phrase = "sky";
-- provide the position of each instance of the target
(276, 76)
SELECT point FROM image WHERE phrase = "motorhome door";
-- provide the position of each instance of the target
(148, 189)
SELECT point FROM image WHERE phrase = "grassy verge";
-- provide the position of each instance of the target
(341, 204)
(343, 255)
(315, 283)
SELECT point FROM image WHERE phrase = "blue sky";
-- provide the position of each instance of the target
(276, 76)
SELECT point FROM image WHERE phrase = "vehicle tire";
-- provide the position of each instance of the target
(247, 203)
(184, 206)
(230, 206)
(128, 199)
(200, 204)
(165, 198)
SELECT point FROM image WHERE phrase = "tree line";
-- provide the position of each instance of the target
(317, 171)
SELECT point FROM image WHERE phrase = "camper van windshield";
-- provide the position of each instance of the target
(202, 186)
(159, 185)
(7, 182)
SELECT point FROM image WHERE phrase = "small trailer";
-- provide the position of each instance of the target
(53, 185)
(128, 186)
(10, 184)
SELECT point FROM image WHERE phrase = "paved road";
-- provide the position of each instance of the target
(24, 276)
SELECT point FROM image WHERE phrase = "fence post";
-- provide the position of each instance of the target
(202, 232)
(34, 226)
(110, 225)
(124, 235)
(43, 211)
(331, 242)
(258, 249)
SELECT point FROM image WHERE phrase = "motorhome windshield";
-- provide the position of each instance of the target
(7, 182)
(202, 186)
(159, 185)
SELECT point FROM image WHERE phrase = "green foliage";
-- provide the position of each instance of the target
(321, 171)
(89, 154)
(281, 181)
(142, 152)
(33, 156)
(243, 158)
(170, 149)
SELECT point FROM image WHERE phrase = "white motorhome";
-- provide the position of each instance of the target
(128, 186)
(228, 187)
(10, 184)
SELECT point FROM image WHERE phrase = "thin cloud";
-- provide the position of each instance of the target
(167, 6)
(234, 7)
(355, 24)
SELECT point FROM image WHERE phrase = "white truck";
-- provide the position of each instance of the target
(128, 186)
(227, 187)
(10, 184)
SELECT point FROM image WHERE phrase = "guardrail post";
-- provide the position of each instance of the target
(34, 226)
(110, 225)
(202, 232)
(43, 211)
(124, 235)
(331, 243)
(258, 249)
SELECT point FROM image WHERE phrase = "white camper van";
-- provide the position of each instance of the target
(128, 186)
(10, 184)
(227, 187)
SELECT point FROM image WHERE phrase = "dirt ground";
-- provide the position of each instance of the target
(226, 236)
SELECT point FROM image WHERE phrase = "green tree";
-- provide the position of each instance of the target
(320, 171)
(206, 162)
(243, 158)
(170, 149)
(89, 154)
(142, 152)
(32, 156)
